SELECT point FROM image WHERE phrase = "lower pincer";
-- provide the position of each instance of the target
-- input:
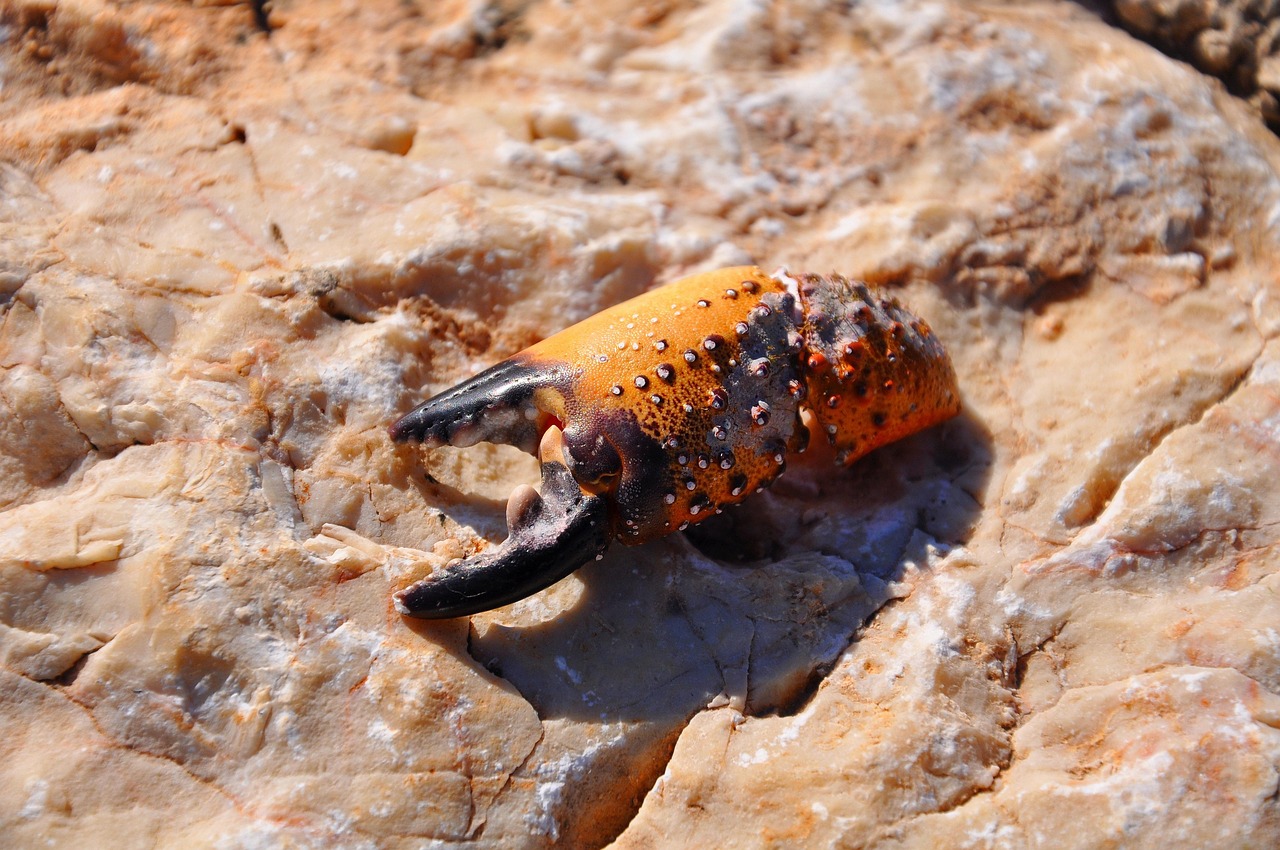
(548, 536)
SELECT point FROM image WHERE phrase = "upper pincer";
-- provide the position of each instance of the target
(497, 406)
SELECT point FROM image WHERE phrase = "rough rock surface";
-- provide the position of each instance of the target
(231, 254)
(1237, 41)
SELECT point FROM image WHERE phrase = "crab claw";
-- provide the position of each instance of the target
(549, 536)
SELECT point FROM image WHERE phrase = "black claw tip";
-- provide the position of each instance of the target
(493, 406)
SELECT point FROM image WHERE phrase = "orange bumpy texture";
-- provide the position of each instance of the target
(694, 391)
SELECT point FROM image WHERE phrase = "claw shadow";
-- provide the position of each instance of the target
(756, 605)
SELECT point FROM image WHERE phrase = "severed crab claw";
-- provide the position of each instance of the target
(654, 414)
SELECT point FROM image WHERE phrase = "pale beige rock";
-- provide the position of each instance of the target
(229, 259)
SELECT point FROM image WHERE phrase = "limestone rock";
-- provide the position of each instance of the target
(233, 248)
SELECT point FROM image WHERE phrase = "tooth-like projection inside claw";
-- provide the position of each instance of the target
(522, 502)
(551, 446)
(548, 536)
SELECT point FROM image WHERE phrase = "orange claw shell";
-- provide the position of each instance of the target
(656, 413)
